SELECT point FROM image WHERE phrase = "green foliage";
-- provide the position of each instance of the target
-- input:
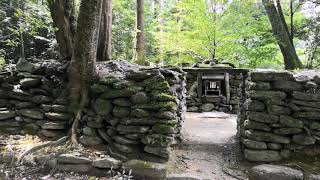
(2, 62)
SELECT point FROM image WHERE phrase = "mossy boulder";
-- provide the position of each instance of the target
(163, 97)
(139, 113)
(140, 98)
(115, 93)
(157, 105)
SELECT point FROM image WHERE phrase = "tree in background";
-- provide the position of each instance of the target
(63, 16)
(140, 45)
(281, 32)
(105, 33)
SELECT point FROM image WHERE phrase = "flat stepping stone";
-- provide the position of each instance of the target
(107, 162)
(73, 159)
(276, 172)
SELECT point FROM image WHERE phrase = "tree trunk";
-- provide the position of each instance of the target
(291, 59)
(140, 33)
(63, 16)
(84, 54)
(105, 32)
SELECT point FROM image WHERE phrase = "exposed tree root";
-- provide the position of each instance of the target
(40, 146)
(74, 129)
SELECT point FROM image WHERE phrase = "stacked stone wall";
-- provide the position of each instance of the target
(31, 100)
(280, 115)
(136, 112)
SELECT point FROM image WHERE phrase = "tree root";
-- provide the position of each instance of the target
(40, 146)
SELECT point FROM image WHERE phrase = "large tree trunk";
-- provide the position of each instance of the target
(84, 54)
(140, 33)
(105, 33)
(291, 59)
(63, 16)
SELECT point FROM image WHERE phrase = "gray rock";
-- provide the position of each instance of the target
(79, 168)
(133, 129)
(6, 115)
(311, 85)
(25, 105)
(90, 140)
(166, 115)
(31, 128)
(303, 139)
(51, 133)
(123, 140)
(163, 129)
(291, 122)
(54, 125)
(306, 96)
(31, 113)
(140, 98)
(285, 153)
(263, 117)
(315, 126)
(312, 115)
(306, 103)
(287, 131)
(41, 99)
(207, 107)
(123, 148)
(158, 140)
(102, 106)
(265, 95)
(271, 76)
(59, 108)
(25, 66)
(276, 172)
(105, 136)
(73, 159)
(256, 125)
(266, 136)
(254, 144)
(287, 86)
(254, 105)
(193, 109)
(274, 146)
(116, 93)
(58, 116)
(313, 176)
(146, 170)
(260, 86)
(122, 102)
(158, 151)
(278, 110)
(120, 112)
(107, 162)
(29, 82)
(262, 155)
(139, 113)
(89, 131)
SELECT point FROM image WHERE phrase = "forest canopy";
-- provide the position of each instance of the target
(176, 32)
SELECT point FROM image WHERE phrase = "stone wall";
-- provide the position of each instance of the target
(137, 112)
(31, 100)
(203, 104)
(281, 115)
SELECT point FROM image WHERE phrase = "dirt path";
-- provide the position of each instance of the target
(209, 145)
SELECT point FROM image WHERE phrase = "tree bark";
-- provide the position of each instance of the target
(82, 64)
(63, 16)
(105, 32)
(291, 59)
(140, 33)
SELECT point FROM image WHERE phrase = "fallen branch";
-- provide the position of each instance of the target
(40, 146)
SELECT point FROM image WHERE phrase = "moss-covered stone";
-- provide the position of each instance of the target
(163, 97)
(163, 129)
(102, 107)
(146, 170)
(169, 105)
(108, 80)
(140, 98)
(115, 93)
(122, 102)
(139, 113)
(158, 140)
(121, 112)
(99, 88)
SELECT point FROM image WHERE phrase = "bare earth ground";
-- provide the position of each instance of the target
(210, 150)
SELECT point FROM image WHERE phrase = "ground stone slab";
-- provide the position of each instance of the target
(146, 170)
(270, 172)
(107, 162)
(262, 155)
(73, 159)
(182, 177)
